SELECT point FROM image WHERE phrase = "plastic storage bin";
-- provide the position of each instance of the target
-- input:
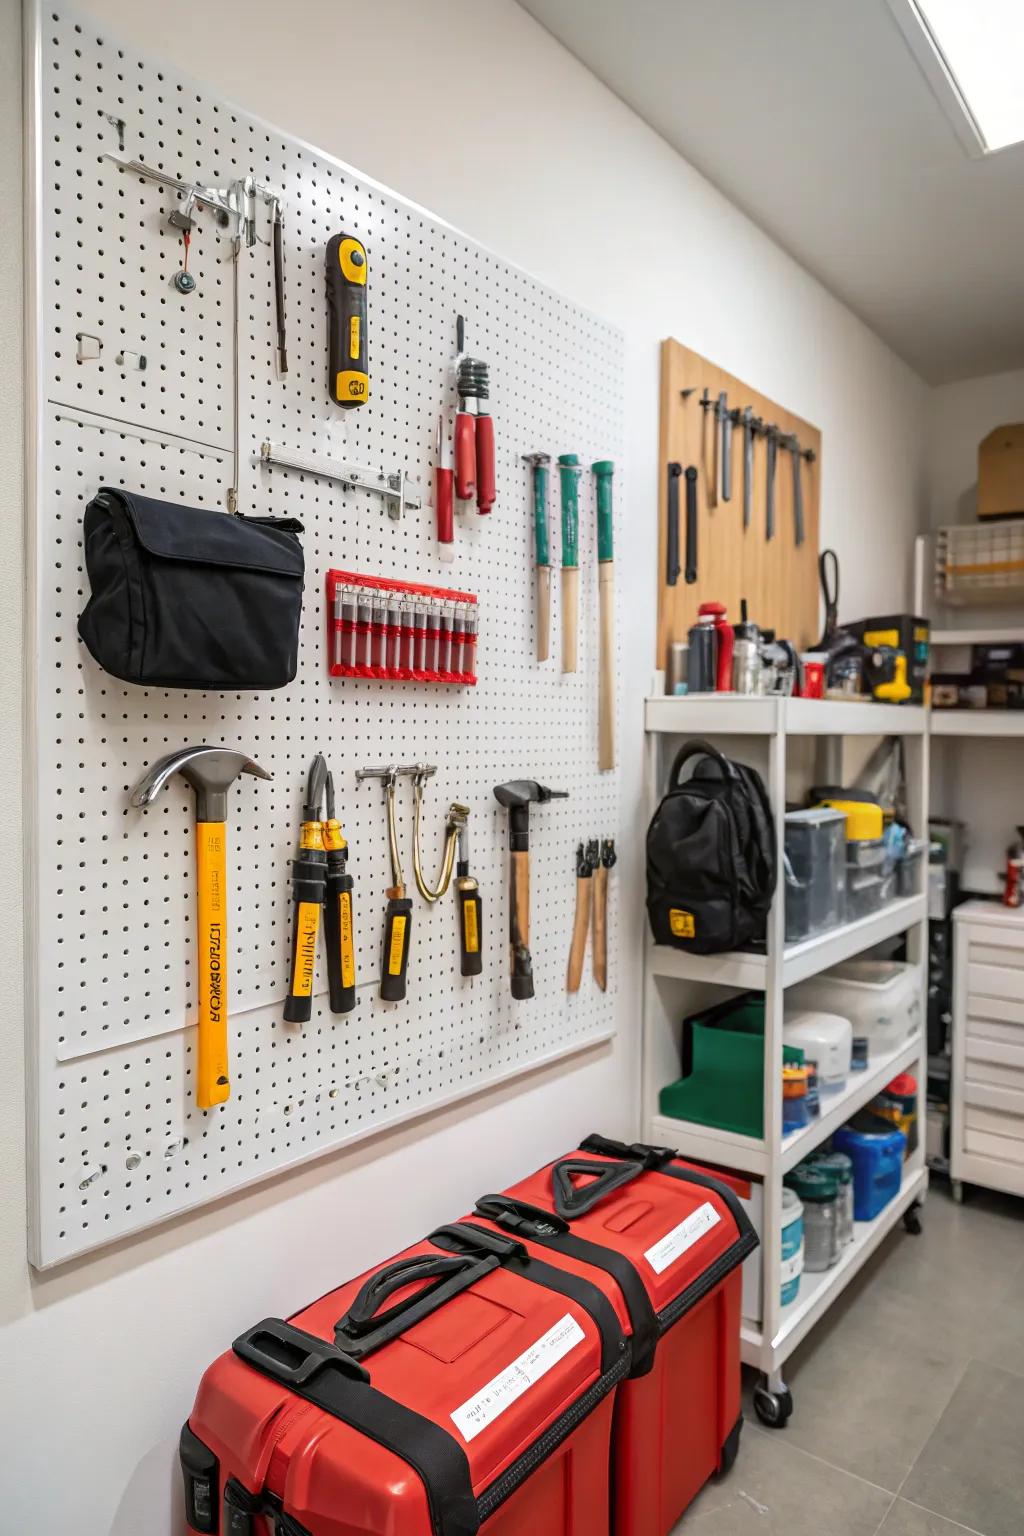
(792, 1245)
(826, 1039)
(877, 1158)
(881, 998)
(818, 1189)
(723, 1066)
(910, 869)
(814, 868)
(867, 891)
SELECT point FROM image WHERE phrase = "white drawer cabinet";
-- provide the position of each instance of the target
(988, 1047)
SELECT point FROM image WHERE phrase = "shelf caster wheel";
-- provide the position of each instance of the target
(957, 1190)
(773, 1408)
(912, 1219)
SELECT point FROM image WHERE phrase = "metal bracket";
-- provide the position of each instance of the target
(233, 204)
(397, 490)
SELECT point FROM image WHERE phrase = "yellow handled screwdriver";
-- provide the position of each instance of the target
(309, 881)
(339, 923)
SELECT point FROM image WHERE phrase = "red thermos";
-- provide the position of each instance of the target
(723, 649)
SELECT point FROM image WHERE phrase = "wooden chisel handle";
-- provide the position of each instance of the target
(543, 612)
(580, 929)
(606, 678)
(570, 616)
(599, 953)
(213, 1084)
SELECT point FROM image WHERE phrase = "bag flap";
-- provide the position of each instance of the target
(171, 531)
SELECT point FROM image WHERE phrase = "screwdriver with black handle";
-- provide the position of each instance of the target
(467, 894)
(339, 920)
(309, 876)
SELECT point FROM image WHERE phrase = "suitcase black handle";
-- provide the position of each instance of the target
(519, 1216)
(602, 1180)
(643, 1152)
(365, 1328)
(290, 1355)
(457, 1237)
(698, 748)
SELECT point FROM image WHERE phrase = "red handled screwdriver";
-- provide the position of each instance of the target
(443, 506)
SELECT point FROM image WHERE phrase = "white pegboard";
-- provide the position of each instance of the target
(118, 1143)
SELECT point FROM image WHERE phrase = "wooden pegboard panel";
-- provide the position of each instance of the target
(778, 579)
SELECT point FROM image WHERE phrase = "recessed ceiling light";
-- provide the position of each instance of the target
(971, 53)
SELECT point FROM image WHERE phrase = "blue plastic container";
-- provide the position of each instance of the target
(877, 1158)
(792, 1245)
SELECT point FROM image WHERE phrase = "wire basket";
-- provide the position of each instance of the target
(983, 564)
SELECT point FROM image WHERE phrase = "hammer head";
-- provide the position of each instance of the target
(519, 792)
(211, 771)
(517, 796)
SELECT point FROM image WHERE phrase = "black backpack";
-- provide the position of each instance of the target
(711, 861)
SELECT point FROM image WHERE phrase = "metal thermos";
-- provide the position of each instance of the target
(722, 676)
(746, 655)
(700, 669)
(677, 672)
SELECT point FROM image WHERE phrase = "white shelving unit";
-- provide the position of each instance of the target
(791, 742)
(977, 722)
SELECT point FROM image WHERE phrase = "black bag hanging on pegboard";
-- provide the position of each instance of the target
(183, 597)
(711, 864)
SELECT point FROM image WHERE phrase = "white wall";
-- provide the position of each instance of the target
(100, 1360)
(976, 781)
(959, 416)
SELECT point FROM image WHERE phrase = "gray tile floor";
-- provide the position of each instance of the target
(908, 1415)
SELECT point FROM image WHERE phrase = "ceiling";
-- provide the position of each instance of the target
(814, 117)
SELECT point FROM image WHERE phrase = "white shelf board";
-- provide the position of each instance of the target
(732, 714)
(709, 1143)
(1012, 635)
(818, 1291)
(836, 1108)
(977, 722)
(738, 969)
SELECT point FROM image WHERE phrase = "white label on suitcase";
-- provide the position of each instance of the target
(501, 1392)
(675, 1243)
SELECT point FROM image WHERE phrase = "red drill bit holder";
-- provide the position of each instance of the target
(398, 654)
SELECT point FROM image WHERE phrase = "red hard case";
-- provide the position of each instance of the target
(462, 1386)
(671, 1238)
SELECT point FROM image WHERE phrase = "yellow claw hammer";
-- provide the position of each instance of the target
(210, 771)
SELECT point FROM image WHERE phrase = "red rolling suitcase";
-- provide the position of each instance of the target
(668, 1240)
(466, 1385)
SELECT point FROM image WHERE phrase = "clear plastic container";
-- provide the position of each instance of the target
(910, 869)
(867, 891)
(814, 870)
(866, 853)
(818, 1189)
(842, 1167)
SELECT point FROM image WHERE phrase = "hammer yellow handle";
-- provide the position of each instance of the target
(212, 1084)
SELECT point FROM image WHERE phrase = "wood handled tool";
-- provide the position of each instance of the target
(309, 882)
(691, 524)
(348, 381)
(517, 796)
(569, 476)
(603, 470)
(672, 527)
(599, 952)
(210, 771)
(339, 918)
(538, 463)
(471, 923)
(398, 912)
(587, 860)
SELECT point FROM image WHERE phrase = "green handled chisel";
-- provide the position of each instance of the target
(603, 470)
(539, 464)
(569, 473)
